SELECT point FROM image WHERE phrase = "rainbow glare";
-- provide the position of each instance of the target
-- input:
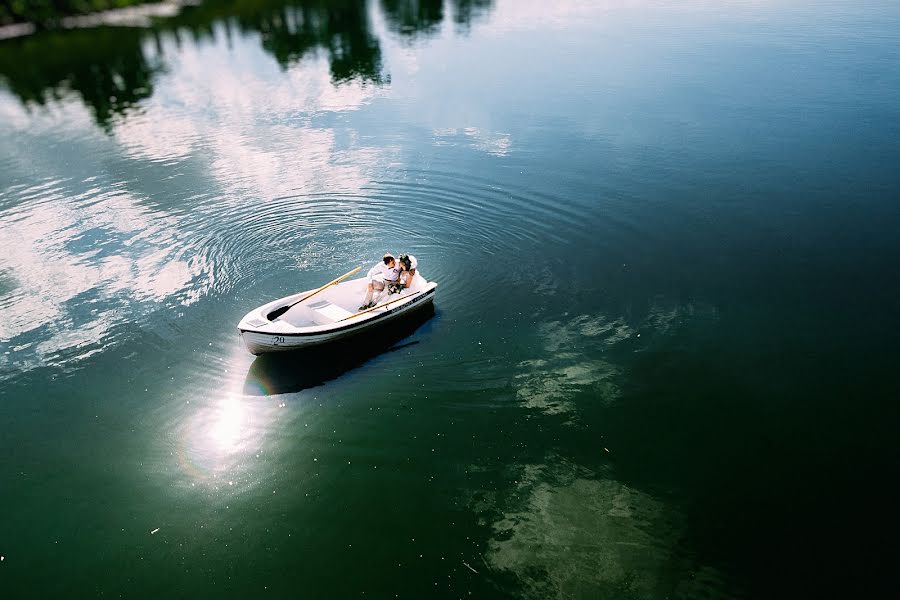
(259, 384)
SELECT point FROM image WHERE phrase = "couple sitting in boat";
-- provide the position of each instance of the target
(393, 274)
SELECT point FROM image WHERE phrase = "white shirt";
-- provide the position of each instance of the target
(382, 272)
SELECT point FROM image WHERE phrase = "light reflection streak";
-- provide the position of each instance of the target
(228, 424)
(224, 435)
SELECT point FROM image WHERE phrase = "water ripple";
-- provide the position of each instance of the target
(78, 265)
(101, 257)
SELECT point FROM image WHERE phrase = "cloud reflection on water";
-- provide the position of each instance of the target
(79, 262)
(125, 63)
(569, 530)
(250, 122)
(565, 531)
(100, 253)
(569, 368)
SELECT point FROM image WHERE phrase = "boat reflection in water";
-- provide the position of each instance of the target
(290, 372)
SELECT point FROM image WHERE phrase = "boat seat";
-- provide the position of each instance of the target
(325, 312)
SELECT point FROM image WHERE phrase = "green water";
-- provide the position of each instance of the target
(661, 362)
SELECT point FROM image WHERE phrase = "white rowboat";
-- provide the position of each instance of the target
(329, 315)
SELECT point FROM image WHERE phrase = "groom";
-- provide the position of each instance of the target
(384, 274)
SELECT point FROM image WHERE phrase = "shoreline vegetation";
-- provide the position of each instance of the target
(22, 17)
(50, 13)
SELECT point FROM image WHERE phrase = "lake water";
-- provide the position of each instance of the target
(661, 362)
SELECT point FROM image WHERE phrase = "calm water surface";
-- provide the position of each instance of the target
(662, 360)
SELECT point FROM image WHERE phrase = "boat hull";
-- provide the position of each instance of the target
(259, 342)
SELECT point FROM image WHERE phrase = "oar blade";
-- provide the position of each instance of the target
(278, 312)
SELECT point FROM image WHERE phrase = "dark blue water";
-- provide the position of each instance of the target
(661, 361)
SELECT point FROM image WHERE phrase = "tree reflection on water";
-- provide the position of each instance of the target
(106, 66)
(414, 17)
(114, 68)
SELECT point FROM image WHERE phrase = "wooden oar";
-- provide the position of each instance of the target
(379, 306)
(280, 311)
